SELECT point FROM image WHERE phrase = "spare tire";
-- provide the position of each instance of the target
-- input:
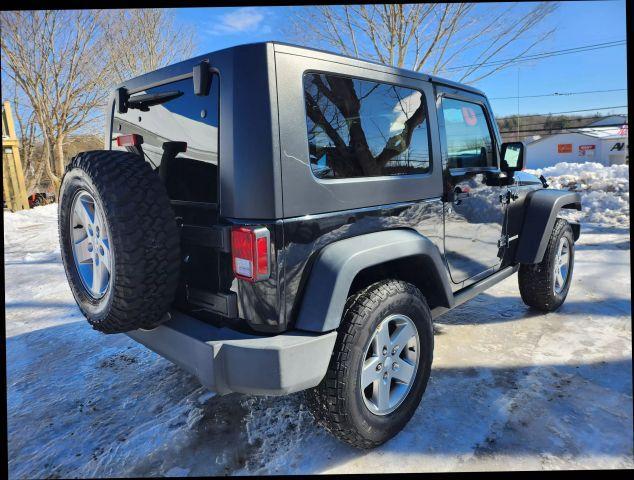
(119, 241)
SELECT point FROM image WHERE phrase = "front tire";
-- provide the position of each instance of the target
(545, 285)
(379, 367)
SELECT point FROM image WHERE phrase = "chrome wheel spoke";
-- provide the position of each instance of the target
(83, 250)
(381, 339)
(84, 209)
(97, 278)
(405, 371)
(382, 394)
(400, 337)
(104, 253)
(560, 277)
(563, 260)
(370, 373)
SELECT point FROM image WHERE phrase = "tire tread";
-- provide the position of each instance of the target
(144, 235)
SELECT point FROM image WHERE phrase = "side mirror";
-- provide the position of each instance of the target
(512, 156)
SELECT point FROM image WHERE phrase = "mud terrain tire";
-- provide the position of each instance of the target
(131, 205)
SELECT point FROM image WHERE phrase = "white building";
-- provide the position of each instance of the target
(607, 145)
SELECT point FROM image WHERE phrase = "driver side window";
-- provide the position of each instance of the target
(469, 143)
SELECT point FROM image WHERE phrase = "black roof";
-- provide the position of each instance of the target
(149, 77)
(332, 56)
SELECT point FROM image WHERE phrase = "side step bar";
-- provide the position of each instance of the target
(467, 293)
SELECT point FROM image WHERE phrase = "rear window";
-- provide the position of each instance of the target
(189, 169)
(360, 128)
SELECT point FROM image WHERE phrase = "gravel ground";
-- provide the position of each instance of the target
(511, 389)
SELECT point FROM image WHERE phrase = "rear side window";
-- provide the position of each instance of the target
(360, 128)
(180, 139)
(469, 143)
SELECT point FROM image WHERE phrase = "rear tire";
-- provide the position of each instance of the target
(540, 285)
(122, 260)
(339, 403)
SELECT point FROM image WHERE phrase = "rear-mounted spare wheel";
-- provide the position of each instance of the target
(119, 241)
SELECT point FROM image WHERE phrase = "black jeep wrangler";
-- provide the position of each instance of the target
(274, 218)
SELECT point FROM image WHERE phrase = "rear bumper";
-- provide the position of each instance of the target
(225, 360)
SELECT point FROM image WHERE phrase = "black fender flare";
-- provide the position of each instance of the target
(338, 264)
(540, 215)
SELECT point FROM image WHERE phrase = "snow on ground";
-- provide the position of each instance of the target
(510, 388)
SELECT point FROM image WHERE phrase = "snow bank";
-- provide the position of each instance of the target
(30, 219)
(605, 191)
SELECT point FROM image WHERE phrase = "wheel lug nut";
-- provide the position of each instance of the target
(394, 350)
(379, 366)
(385, 376)
(384, 350)
(90, 247)
(101, 251)
(395, 366)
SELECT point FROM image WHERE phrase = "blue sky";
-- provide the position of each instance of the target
(578, 24)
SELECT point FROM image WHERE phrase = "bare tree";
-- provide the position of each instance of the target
(64, 63)
(143, 40)
(432, 37)
(28, 133)
(56, 59)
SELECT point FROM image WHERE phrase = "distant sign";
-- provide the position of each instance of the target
(618, 146)
(564, 148)
(587, 150)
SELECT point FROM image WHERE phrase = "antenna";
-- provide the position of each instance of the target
(518, 104)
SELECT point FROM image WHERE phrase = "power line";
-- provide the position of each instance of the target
(558, 94)
(557, 113)
(540, 55)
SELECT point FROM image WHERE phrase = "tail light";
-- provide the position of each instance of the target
(250, 253)
(131, 140)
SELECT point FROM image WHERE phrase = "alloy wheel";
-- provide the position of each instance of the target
(91, 244)
(390, 363)
(562, 265)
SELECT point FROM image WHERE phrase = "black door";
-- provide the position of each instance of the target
(474, 212)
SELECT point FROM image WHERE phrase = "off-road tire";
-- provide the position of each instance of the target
(536, 280)
(337, 403)
(144, 240)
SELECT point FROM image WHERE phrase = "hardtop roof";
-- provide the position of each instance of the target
(292, 49)
(337, 57)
